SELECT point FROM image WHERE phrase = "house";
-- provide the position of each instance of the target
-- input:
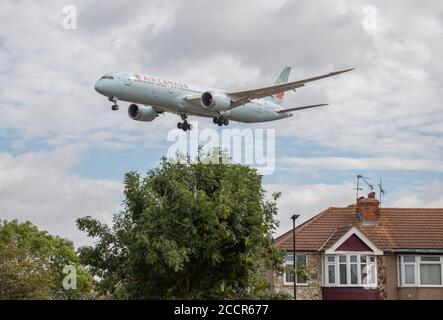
(366, 252)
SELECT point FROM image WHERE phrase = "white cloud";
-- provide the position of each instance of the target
(423, 196)
(39, 187)
(309, 200)
(346, 163)
(208, 71)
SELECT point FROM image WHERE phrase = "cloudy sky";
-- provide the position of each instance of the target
(63, 153)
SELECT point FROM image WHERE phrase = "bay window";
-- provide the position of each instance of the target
(288, 276)
(349, 270)
(417, 271)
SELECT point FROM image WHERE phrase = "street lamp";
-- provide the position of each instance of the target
(294, 217)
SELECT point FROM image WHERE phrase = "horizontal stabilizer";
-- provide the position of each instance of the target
(302, 108)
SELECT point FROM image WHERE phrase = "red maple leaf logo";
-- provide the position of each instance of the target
(136, 76)
(280, 95)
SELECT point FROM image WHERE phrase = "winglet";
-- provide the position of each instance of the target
(342, 71)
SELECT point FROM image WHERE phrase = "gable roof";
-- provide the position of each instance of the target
(353, 243)
(356, 234)
(399, 229)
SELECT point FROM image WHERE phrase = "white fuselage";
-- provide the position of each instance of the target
(170, 96)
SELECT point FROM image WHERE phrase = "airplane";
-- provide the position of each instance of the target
(151, 96)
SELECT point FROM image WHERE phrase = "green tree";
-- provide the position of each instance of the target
(187, 231)
(32, 262)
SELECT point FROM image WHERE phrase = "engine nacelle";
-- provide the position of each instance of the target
(142, 113)
(215, 101)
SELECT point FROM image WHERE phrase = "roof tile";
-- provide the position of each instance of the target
(399, 229)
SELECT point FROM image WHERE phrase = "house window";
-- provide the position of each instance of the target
(418, 271)
(289, 269)
(354, 270)
(331, 267)
(409, 269)
(350, 270)
(343, 269)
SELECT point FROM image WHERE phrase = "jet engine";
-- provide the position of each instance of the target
(215, 101)
(143, 113)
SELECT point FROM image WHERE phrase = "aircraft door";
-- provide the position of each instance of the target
(127, 80)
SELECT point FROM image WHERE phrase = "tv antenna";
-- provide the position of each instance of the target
(382, 191)
(365, 180)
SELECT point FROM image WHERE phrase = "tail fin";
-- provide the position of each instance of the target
(282, 78)
(284, 75)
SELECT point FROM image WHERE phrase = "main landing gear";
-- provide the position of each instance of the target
(221, 121)
(185, 126)
(115, 106)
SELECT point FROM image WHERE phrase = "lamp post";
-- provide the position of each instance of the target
(294, 217)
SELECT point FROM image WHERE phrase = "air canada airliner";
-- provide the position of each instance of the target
(151, 96)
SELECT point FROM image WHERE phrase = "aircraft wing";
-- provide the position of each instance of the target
(302, 108)
(242, 97)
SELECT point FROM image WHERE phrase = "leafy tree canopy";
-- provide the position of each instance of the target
(187, 231)
(32, 262)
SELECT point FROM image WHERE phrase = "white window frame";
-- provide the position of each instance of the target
(291, 263)
(417, 265)
(337, 263)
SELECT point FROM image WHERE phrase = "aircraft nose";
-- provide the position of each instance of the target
(99, 86)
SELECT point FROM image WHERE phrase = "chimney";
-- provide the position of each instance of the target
(367, 208)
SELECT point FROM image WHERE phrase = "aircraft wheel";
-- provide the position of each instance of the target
(115, 107)
(215, 120)
(220, 122)
(180, 125)
(226, 122)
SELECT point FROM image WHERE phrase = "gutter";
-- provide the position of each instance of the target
(416, 251)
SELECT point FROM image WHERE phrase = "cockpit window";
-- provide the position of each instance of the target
(107, 77)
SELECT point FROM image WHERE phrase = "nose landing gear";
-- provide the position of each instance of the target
(115, 106)
(220, 121)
